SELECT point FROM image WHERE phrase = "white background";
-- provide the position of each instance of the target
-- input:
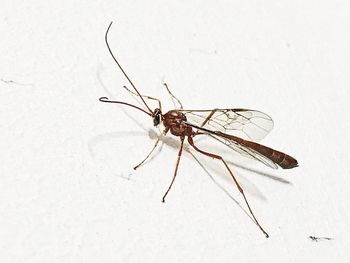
(67, 189)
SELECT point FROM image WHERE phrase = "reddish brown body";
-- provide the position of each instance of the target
(284, 160)
(175, 122)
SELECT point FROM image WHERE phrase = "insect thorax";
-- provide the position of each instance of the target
(175, 121)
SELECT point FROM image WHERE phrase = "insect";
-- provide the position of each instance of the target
(219, 124)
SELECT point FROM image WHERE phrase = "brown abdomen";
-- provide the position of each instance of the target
(284, 160)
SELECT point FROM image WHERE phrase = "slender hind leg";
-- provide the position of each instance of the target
(176, 167)
(190, 141)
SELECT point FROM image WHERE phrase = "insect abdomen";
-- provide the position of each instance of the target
(282, 159)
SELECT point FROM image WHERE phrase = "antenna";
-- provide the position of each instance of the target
(122, 70)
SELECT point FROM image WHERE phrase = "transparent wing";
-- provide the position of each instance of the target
(254, 125)
(245, 151)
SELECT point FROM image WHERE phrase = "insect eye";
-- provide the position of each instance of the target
(156, 120)
(157, 117)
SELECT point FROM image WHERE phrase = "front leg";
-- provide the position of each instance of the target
(144, 96)
(173, 97)
(155, 145)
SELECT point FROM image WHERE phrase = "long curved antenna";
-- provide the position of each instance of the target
(105, 99)
(122, 70)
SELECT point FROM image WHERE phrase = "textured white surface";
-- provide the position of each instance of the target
(67, 190)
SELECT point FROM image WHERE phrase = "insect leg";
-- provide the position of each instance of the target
(176, 167)
(144, 96)
(155, 145)
(190, 141)
(148, 155)
(173, 96)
